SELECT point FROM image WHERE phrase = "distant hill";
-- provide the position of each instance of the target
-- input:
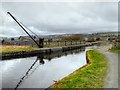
(62, 35)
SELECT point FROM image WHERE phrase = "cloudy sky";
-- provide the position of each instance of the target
(46, 18)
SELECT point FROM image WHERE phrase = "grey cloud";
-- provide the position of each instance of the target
(64, 17)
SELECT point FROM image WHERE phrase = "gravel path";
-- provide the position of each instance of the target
(111, 80)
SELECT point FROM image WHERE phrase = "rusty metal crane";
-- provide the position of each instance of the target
(40, 44)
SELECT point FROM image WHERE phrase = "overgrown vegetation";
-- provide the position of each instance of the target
(115, 47)
(91, 76)
(13, 48)
(116, 44)
(115, 50)
(72, 38)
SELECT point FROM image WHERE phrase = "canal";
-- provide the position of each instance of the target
(41, 71)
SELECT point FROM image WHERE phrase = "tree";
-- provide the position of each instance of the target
(73, 38)
(3, 41)
(12, 39)
(91, 38)
(98, 39)
(116, 44)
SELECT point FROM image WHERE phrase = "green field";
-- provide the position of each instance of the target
(91, 76)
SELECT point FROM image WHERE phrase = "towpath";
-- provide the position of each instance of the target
(111, 80)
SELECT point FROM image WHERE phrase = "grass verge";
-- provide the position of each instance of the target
(12, 48)
(115, 51)
(15, 48)
(91, 76)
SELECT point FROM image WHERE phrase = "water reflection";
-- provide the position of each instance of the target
(42, 69)
(41, 61)
(59, 54)
(25, 74)
(40, 58)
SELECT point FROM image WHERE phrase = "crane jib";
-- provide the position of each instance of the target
(40, 44)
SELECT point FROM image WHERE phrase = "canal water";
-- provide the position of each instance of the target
(40, 71)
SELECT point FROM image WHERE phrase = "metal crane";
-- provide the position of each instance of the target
(40, 44)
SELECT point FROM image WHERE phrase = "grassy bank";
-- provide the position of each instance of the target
(15, 48)
(91, 76)
(115, 51)
(12, 48)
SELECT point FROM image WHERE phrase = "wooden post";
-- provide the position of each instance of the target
(46, 43)
(65, 43)
(71, 42)
(49, 43)
(58, 43)
(80, 42)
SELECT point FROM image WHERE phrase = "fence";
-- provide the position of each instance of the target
(46, 43)
(61, 43)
